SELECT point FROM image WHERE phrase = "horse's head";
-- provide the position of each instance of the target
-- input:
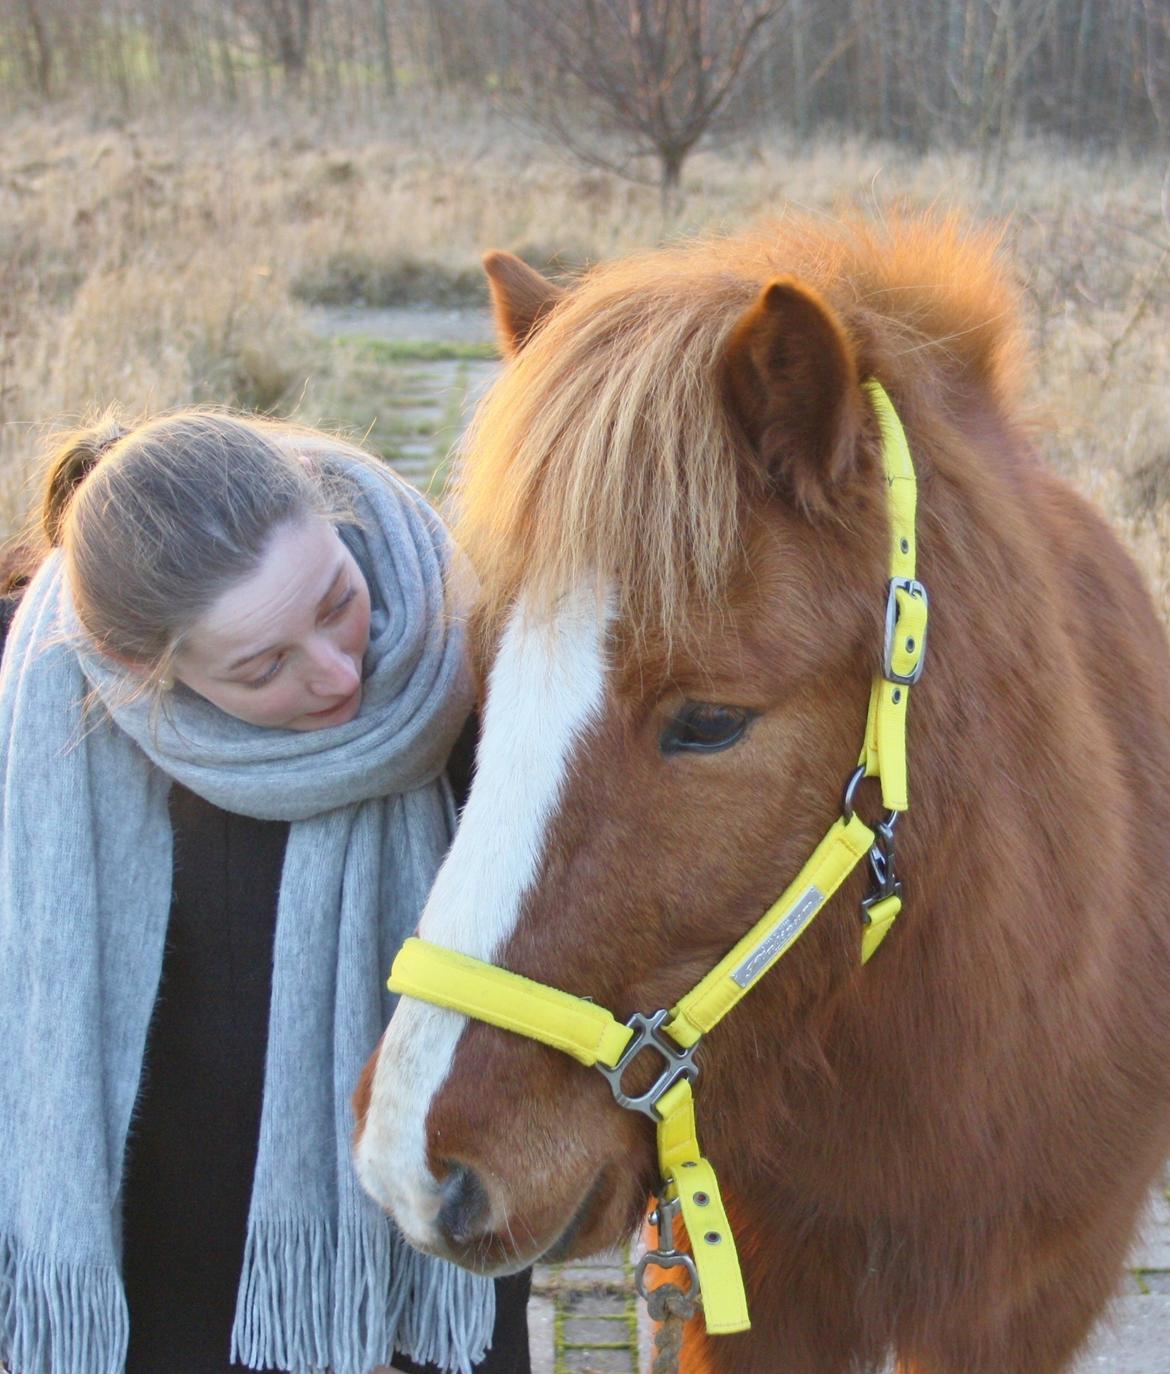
(673, 500)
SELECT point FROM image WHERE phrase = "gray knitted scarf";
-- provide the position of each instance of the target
(85, 890)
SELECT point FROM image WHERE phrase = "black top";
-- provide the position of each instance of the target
(193, 1141)
(192, 1147)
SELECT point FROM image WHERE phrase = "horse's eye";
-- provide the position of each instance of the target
(703, 725)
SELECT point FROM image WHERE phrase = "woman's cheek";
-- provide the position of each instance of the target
(269, 707)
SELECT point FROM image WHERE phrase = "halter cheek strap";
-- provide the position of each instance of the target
(594, 1037)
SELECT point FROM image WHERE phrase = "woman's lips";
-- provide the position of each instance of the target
(335, 708)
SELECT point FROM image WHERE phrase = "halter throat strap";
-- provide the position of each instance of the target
(594, 1037)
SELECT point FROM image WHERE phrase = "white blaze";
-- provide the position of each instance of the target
(546, 686)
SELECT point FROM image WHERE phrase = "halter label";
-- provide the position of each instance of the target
(779, 937)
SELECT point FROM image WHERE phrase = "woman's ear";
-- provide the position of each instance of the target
(135, 667)
(521, 298)
(791, 382)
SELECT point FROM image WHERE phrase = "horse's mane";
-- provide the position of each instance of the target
(607, 447)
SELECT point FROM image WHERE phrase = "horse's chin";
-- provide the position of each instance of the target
(598, 1222)
(573, 1242)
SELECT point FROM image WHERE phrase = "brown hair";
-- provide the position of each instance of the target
(156, 520)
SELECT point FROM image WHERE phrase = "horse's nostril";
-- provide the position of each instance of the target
(464, 1208)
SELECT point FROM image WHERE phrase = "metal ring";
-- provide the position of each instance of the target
(852, 782)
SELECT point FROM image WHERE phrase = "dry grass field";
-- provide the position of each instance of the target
(156, 265)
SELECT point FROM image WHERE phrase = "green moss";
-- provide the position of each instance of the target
(632, 1305)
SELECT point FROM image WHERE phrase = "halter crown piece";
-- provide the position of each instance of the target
(598, 1040)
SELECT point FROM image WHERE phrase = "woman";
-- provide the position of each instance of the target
(225, 707)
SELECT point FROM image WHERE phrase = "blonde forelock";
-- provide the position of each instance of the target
(605, 452)
(606, 449)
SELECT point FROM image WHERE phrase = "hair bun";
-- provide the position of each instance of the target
(76, 457)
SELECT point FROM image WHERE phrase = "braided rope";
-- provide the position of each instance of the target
(671, 1308)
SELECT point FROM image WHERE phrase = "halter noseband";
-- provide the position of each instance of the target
(593, 1036)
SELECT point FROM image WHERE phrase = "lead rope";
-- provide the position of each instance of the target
(671, 1308)
(668, 1305)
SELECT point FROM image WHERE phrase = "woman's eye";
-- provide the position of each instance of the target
(267, 675)
(334, 612)
(702, 725)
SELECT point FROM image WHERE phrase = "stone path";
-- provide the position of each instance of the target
(1136, 1337)
(583, 1318)
(419, 404)
(442, 403)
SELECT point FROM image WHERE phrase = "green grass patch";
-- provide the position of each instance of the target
(421, 350)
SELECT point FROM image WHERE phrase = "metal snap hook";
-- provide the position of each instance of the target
(666, 1256)
(881, 865)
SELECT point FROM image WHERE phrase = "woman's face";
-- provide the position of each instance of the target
(284, 646)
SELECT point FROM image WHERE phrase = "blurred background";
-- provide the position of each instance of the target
(281, 204)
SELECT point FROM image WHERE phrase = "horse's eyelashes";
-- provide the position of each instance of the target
(704, 726)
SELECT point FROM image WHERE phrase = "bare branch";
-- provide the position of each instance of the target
(654, 73)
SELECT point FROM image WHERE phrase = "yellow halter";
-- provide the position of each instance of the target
(594, 1037)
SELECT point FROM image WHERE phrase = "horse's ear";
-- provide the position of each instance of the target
(792, 383)
(521, 298)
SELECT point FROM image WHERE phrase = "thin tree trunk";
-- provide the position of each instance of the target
(386, 47)
(1079, 96)
(43, 65)
(223, 50)
(799, 68)
(669, 190)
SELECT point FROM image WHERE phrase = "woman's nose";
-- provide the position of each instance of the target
(333, 672)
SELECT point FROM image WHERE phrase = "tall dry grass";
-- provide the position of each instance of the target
(157, 265)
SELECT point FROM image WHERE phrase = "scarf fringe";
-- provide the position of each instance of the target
(60, 1318)
(307, 1302)
(368, 1306)
(445, 1315)
(285, 1304)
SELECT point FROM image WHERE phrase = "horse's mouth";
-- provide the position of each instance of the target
(496, 1254)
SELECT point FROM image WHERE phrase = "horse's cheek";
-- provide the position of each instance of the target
(363, 1091)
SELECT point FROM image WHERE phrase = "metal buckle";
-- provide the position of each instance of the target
(914, 588)
(648, 1035)
(666, 1256)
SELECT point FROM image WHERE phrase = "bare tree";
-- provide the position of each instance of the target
(634, 85)
(284, 28)
(655, 76)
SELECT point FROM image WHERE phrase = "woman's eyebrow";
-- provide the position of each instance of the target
(259, 653)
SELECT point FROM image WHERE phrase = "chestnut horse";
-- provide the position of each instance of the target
(674, 502)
